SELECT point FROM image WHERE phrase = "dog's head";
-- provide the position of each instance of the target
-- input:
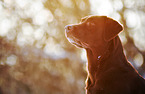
(92, 31)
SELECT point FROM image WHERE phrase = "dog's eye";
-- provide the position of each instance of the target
(89, 23)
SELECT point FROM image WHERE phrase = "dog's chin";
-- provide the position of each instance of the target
(76, 43)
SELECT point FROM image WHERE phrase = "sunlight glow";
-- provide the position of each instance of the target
(21, 40)
(58, 12)
(101, 7)
(30, 22)
(123, 38)
(22, 3)
(32, 9)
(83, 55)
(12, 35)
(139, 39)
(43, 17)
(129, 3)
(11, 60)
(66, 3)
(8, 2)
(138, 59)
(35, 55)
(116, 16)
(38, 34)
(27, 29)
(132, 19)
(54, 50)
(117, 4)
(5, 26)
(82, 5)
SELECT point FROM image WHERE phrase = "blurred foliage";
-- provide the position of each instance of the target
(35, 56)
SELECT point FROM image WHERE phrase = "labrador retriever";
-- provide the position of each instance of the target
(109, 72)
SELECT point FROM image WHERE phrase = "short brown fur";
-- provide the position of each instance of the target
(109, 72)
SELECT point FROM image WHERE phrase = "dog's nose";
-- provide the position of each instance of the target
(68, 27)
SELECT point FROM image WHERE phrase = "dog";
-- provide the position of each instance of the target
(109, 72)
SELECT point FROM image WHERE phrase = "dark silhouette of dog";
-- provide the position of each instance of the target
(109, 72)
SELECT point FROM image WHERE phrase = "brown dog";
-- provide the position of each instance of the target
(109, 72)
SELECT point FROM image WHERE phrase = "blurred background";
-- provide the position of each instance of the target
(35, 56)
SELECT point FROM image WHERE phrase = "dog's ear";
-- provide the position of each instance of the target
(111, 29)
(84, 19)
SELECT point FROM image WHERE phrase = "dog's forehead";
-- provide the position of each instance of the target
(88, 18)
(93, 19)
(97, 21)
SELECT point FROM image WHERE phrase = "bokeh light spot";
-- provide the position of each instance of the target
(82, 5)
(118, 5)
(21, 40)
(58, 12)
(132, 19)
(22, 3)
(66, 3)
(101, 7)
(43, 17)
(11, 60)
(5, 26)
(129, 3)
(138, 59)
(38, 34)
(27, 29)
(11, 35)
(83, 55)
(54, 50)
(139, 39)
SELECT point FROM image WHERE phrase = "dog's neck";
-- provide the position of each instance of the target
(98, 58)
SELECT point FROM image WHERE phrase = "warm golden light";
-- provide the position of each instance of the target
(35, 56)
